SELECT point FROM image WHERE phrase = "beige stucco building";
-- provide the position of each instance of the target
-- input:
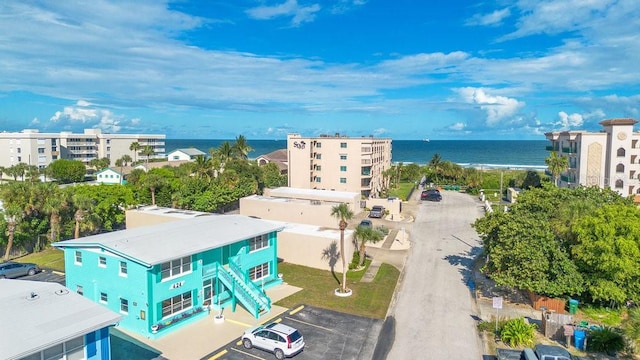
(337, 162)
(610, 158)
(32, 147)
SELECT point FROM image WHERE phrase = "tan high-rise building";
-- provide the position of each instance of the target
(610, 158)
(40, 149)
(337, 162)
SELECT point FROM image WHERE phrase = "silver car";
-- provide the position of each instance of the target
(10, 269)
(281, 340)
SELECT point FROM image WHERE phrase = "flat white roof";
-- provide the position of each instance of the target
(156, 244)
(36, 315)
(345, 196)
(170, 212)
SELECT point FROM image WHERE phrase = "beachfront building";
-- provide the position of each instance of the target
(278, 157)
(42, 320)
(165, 276)
(610, 158)
(337, 162)
(188, 154)
(32, 147)
(109, 176)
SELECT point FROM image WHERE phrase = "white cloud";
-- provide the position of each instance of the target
(457, 126)
(569, 121)
(82, 116)
(380, 132)
(343, 6)
(290, 8)
(496, 107)
(492, 19)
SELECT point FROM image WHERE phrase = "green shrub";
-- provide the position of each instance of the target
(518, 332)
(605, 339)
(355, 261)
(383, 229)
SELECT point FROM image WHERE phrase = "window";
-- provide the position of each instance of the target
(80, 289)
(318, 179)
(123, 268)
(343, 168)
(343, 180)
(18, 150)
(70, 350)
(176, 267)
(343, 145)
(176, 304)
(318, 144)
(260, 271)
(78, 258)
(343, 157)
(259, 242)
(104, 298)
(102, 261)
(318, 168)
(40, 150)
(318, 156)
(124, 306)
(621, 152)
(620, 168)
(619, 184)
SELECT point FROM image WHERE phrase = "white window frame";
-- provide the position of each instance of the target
(175, 268)
(123, 266)
(176, 304)
(80, 289)
(102, 261)
(124, 306)
(260, 271)
(259, 242)
(77, 257)
(104, 298)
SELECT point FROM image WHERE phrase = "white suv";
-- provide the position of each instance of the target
(282, 340)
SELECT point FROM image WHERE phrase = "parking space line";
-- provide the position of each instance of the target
(57, 272)
(218, 355)
(310, 324)
(292, 312)
(246, 353)
(238, 323)
(277, 320)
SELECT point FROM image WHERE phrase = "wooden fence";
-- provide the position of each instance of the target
(555, 305)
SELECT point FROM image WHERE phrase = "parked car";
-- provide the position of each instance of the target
(376, 212)
(10, 269)
(431, 195)
(541, 352)
(279, 339)
(366, 223)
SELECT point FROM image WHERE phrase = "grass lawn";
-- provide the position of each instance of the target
(402, 190)
(368, 299)
(50, 258)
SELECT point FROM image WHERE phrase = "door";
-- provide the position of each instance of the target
(207, 291)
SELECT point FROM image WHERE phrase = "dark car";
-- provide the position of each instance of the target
(431, 195)
(366, 223)
(10, 270)
(376, 212)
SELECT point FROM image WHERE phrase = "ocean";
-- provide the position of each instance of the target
(482, 154)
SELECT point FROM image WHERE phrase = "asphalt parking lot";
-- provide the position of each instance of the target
(46, 275)
(327, 334)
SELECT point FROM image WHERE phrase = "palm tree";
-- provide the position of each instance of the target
(342, 213)
(147, 151)
(84, 206)
(362, 235)
(240, 148)
(55, 201)
(556, 165)
(135, 146)
(436, 163)
(153, 182)
(13, 214)
(203, 167)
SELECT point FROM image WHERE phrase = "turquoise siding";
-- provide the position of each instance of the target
(145, 290)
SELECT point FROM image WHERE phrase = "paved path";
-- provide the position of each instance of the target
(434, 310)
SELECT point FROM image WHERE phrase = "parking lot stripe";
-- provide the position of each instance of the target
(310, 324)
(246, 353)
(277, 320)
(238, 323)
(57, 272)
(218, 355)
(292, 312)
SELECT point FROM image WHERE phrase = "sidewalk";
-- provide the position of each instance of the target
(204, 337)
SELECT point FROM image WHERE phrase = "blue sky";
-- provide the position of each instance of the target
(215, 69)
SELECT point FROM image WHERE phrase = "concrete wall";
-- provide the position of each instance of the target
(305, 248)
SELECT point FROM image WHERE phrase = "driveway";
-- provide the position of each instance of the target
(434, 310)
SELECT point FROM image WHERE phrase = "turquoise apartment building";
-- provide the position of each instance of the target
(162, 277)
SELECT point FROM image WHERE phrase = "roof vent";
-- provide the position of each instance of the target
(33, 296)
(62, 292)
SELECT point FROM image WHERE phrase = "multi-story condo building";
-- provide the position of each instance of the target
(40, 149)
(337, 162)
(610, 158)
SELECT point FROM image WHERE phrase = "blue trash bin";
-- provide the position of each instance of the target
(579, 337)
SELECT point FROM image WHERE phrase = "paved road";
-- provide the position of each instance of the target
(434, 311)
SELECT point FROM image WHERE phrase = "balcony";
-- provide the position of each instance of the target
(568, 150)
(552, 148)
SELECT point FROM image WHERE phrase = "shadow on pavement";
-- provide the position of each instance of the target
(124, 346)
